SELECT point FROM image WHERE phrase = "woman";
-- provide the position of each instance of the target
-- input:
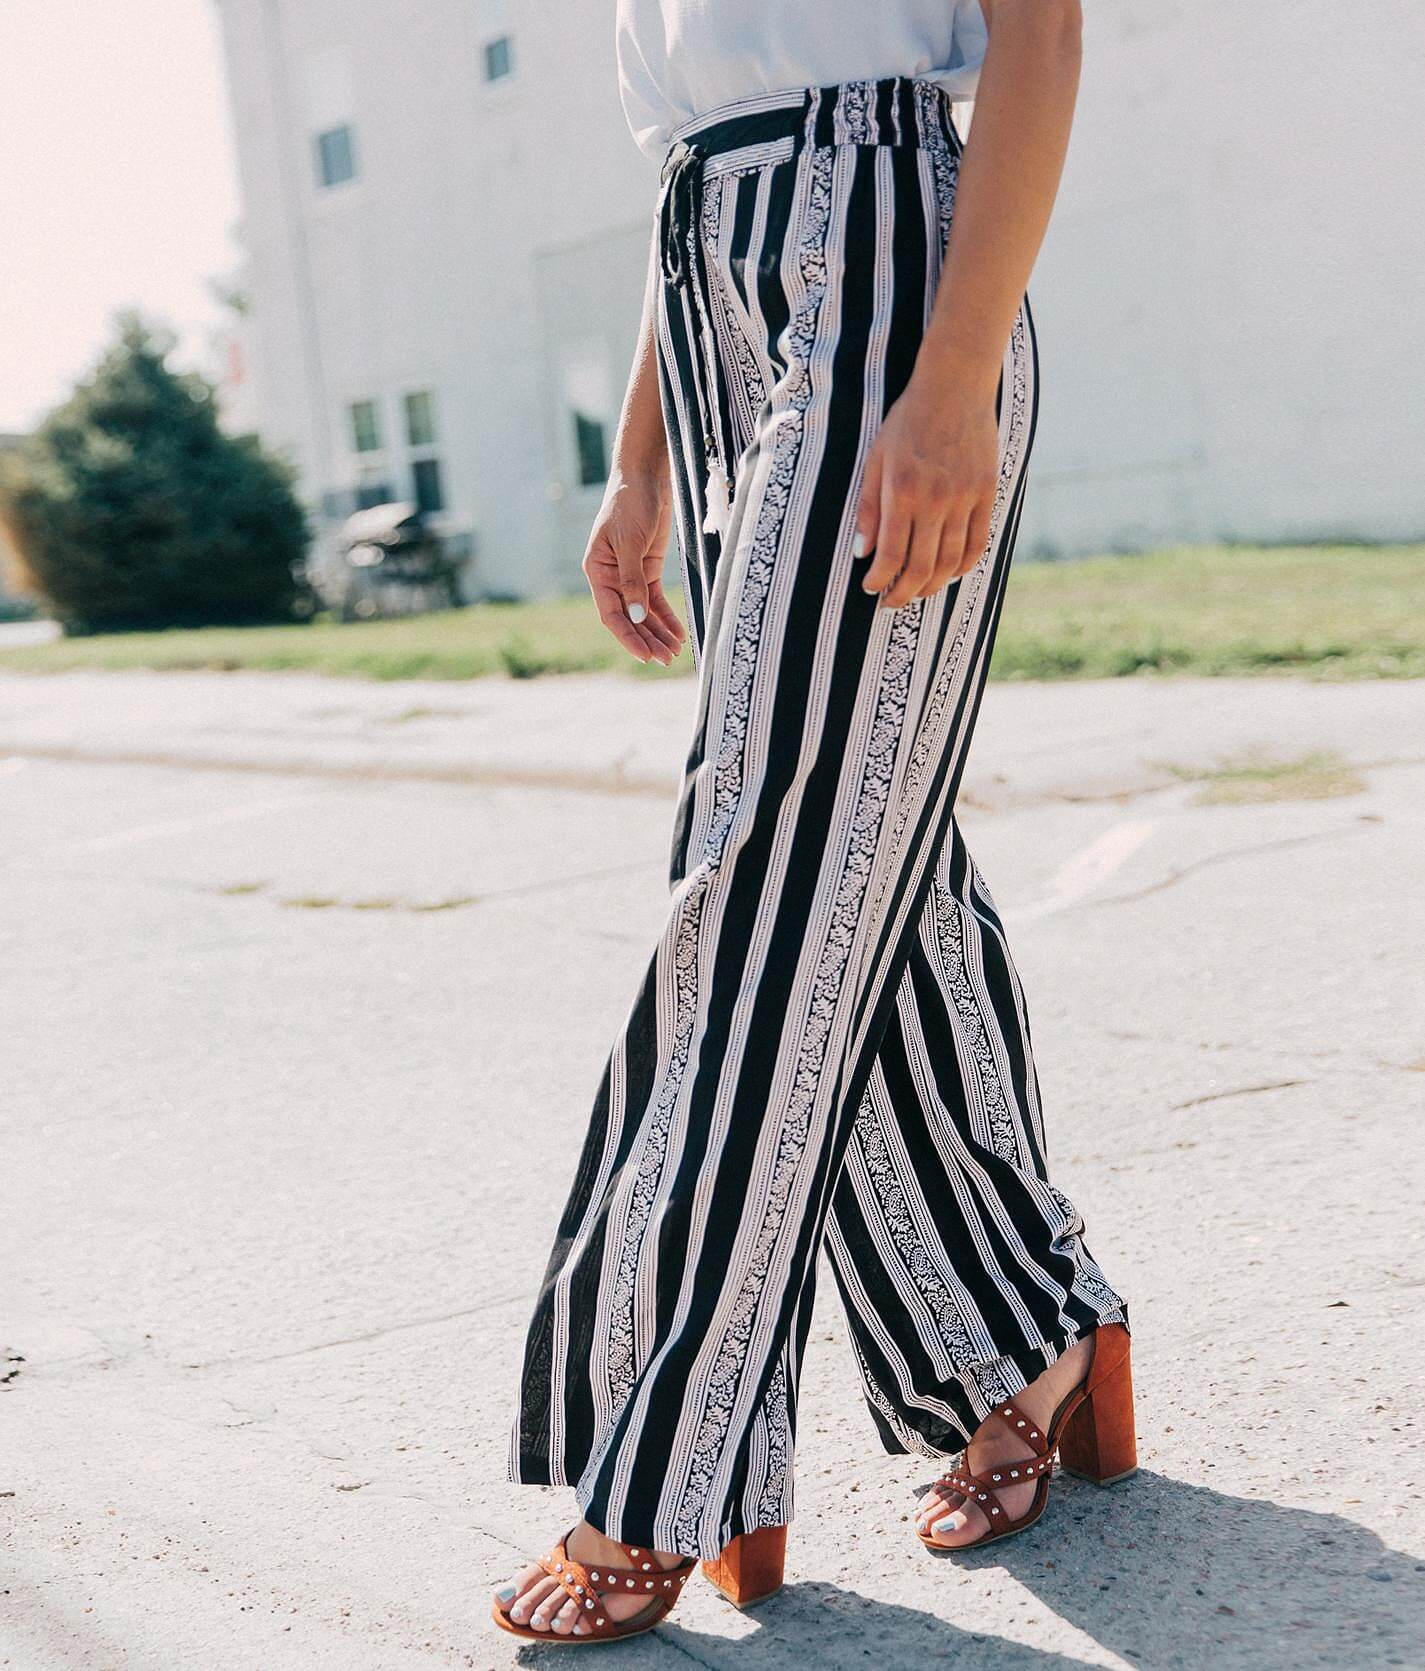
(834, 391)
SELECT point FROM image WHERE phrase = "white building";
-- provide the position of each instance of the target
(447, 227)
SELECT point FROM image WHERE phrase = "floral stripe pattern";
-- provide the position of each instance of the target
(778, 1086)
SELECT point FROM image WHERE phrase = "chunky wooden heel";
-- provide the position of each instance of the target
(750, 1568)
(1098, 1440)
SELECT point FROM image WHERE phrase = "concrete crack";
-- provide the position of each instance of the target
(1352, 1058)
(607, 781)
(671, 1641)
(354, 1339)
(1237, 1091)
(1231, 854)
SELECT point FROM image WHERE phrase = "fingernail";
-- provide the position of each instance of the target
(636, 613)
(508, 1593)
(860, 545)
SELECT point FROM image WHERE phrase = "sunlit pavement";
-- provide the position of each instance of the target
(305, 990)
(15, 633)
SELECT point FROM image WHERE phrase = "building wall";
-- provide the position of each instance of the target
(1221, 304)
(425, 271)
(1223, 301)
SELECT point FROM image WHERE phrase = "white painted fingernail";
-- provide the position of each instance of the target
(636, 613)
(860, 545)
(508, 1593)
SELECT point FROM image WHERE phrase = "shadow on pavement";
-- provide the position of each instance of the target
(1170, 1574)
(1162, 1574)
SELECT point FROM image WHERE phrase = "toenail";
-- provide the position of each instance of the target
(508, 1593)
(946, 1525)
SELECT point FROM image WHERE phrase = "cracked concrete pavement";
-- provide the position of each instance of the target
(306, 989)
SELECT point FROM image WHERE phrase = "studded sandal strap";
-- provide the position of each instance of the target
(984, 1489)
(645, 1577)
(1023, 1427)
(589, 1585)
(642, 1565)
(979, 1490)
(577, 1583)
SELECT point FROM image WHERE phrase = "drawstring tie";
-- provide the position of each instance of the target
(680, 213)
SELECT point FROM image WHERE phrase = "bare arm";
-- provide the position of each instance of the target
(930, 477)
(624, 560)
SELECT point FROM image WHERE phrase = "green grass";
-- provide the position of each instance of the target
(1253, 779)
(1346, 612)
(560, 635)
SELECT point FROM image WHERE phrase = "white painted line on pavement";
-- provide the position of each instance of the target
(1091, 868)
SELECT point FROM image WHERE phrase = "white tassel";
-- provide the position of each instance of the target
(719, 501)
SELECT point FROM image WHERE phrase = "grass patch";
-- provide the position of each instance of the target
(1252, 781)
(331, 902)
(1330, 612)
(408, 715)
(558, 635)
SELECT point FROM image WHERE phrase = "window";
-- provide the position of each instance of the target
(373, 491)
(336, 156)
(499, 58)
(425, 484)
(427, 489)
(365, 427)
(592, 448)
(420, 418)
(588, 399)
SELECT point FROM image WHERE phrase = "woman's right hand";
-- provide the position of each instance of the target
(624, 563)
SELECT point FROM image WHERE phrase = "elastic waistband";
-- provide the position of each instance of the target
(900, 110)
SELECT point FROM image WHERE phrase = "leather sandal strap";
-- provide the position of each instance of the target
(646, 1572)
(1023, 1427)
(577, 1583)
(650, 1580)
(588, 1584)
(983, 1489)
(977, 1491)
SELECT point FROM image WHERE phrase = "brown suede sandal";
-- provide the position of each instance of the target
(1092, 1430)
(748, 1570)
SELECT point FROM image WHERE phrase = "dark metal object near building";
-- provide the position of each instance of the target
(389, 561)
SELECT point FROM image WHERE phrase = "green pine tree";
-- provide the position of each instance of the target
(130, 508)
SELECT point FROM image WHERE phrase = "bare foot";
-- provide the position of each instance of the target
(536, 1600)
(943, 1515)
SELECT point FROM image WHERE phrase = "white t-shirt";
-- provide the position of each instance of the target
(679, 59)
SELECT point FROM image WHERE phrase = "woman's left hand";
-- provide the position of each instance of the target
(929, 490)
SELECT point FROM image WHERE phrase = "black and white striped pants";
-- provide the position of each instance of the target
(830, 1048)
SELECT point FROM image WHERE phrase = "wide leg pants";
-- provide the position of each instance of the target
(830, 1048)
